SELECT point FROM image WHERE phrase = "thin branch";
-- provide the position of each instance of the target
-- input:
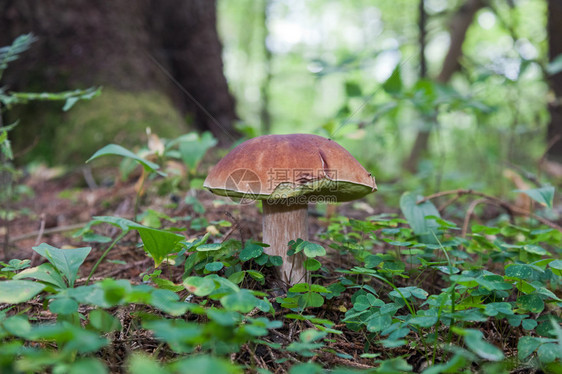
(54, 230)
(509, 207)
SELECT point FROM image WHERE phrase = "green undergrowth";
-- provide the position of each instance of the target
(397, 296)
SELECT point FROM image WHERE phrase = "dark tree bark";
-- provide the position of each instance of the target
(187, 39)
(115, 44)
(459, 25)
(555, 107)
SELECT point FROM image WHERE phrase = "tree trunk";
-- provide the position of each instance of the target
(169, 47)
(555, 106)
(187, 40)
(459, 26)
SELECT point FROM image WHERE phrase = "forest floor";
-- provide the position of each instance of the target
(61, 205)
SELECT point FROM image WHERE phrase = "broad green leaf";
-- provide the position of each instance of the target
(453, 365)
(393, 84)
(203, 364)
(379, 322)
(17, 325)
(168, 302)
(103, 321)
(549, 352)
(19, 291)
(474, 340)
(522, 271)
(159, 243)
(532, 303)
(423, 321)
(543, 195)
(87, 365)
(66, 261)
(251, 250)
(311, 300)
(306, 368)
(526, 346)
(200, 286)
(243, 301)
(417, 217)
(352, 89)
(535, 249)
(45, 273)
(63, 305)
(529, 324)
(192, 149)
(214, 266)
(117, 150)
(139, 363)
(556, 267)
(312, 264)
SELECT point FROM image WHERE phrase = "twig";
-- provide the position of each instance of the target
(47, 232)
(34, 256)
(507, 206)
(469, 212)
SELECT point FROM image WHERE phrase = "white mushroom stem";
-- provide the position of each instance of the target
(281, 224)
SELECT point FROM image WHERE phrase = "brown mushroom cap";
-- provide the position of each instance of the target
(286, 166)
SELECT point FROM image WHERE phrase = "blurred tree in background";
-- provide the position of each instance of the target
(456, 91)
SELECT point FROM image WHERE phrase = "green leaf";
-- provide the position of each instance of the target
(526, 346)
(192, 148)
(209, 247)
(117, 150)
(543, 195)
(17, 325)
(200, 286)
(19, 291)
(103, 321)
(423, 321)
(159, 243)
(522, 271)
(549, 352)
(416, 215)
(474, 340)
(243, 301)
(45, 273)
(66, 261)
(531, 302)
(63, 305)
(529, 324)
(138, 363)
(87, 365)
(311, 300)
(352, 89)
(393, 84)
(214, 266)
(312, 264)
(203, 364)
(379, 322)
(556, 267)
(251, 250)
(310, 249)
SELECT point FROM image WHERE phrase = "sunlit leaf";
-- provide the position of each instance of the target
(543, 195)
(66, 261)
(117, 150)
(19, 291)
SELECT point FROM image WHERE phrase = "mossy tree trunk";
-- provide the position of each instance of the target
(170, 47)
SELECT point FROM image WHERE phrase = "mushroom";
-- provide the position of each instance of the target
(287, 172)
